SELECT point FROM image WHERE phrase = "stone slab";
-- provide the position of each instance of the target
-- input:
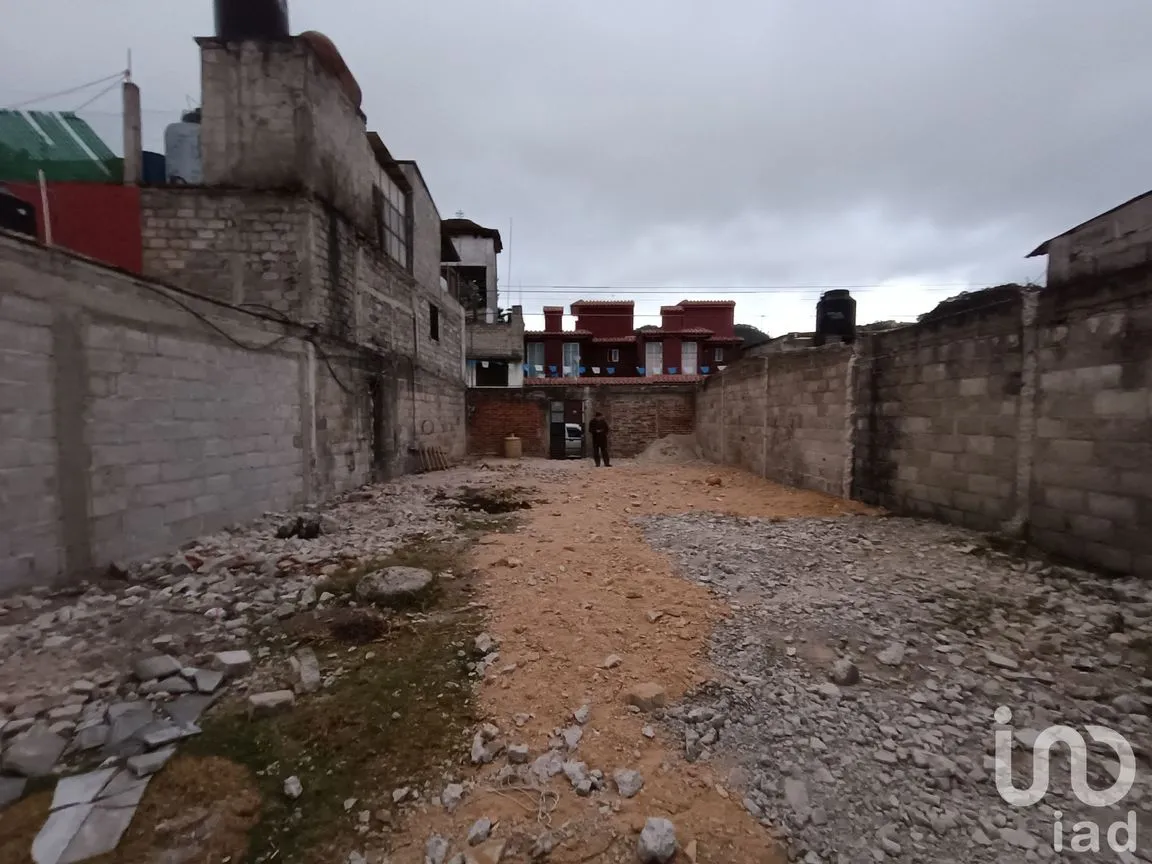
(58, 832)
(33, 753)
(81, 788)
(99, 834)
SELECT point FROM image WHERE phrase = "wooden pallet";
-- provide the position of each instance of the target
(433, 459)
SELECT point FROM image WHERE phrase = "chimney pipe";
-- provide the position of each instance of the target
(133, 136)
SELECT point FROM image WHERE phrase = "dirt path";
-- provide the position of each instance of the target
(574, 586)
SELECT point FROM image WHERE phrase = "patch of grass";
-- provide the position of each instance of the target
(395, 720)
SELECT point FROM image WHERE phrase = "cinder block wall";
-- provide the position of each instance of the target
(938, 417)
(1031, 415)
(784, 417)
(131, 424)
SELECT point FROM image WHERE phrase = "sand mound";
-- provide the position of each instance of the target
(671, 450)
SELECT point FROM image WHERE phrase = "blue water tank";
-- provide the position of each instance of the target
(152, 173)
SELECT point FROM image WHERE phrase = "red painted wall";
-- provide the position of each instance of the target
(99, 220)
(605, 320)
(718, 319)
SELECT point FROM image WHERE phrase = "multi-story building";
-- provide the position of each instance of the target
(493, 337)
(695, 338)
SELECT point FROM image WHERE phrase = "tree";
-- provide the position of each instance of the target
(751, 335)
(966, 301)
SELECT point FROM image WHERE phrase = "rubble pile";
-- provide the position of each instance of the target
(868, 664)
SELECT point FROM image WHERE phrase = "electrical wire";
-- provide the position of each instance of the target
(68, 92)
(102, 93)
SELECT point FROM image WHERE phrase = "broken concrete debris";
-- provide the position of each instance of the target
(271, 703)
(89, 815)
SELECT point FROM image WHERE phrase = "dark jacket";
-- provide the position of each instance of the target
(599, 429)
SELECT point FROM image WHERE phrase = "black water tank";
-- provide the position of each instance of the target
(835, 317)
(16, 214)
(237, 20)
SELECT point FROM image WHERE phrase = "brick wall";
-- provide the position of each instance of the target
(785, 417)
(495, 414)
(642, 414)
(637, 415)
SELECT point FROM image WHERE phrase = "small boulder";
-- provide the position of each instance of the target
(394, 585)
(451, 797)
(232, 663)
(611, 661)
(844, 673)
(267, 704)
(657, 843)
(647, 697)
(518, 754)
(293, 787)
(479, 831)
(628, 782)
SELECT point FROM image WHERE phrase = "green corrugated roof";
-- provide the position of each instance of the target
(63, 146)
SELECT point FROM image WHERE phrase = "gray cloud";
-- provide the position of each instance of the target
(663, 142)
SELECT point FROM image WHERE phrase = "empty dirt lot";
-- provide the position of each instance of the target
(774, 672)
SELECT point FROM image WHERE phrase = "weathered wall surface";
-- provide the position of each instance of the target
(785, 417)
(1031, 415)
(637, 415)
(938, 417)
(493, 415)
(131, 423)
(1091, 490)
(1111, 242)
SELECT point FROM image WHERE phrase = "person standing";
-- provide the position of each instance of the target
(599, 429)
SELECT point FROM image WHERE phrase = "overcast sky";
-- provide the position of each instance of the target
(710, 150)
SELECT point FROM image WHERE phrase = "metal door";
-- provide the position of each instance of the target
(557, 443)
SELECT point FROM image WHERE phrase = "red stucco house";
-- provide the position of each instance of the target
(695, 338)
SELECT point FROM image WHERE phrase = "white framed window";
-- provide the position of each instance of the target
(535, 359)
(613, 355)
(571, 359)
(653, 358)
(688, 352)
(718, 353)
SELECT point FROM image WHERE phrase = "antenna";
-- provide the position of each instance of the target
(521, 299)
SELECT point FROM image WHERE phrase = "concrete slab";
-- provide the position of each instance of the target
(58, 832)
(187, 709)
(33, 753)
(99, 835)
(81, 788)
(127, 793)
(164, 732)
(147, 764)
(90, 738)
(208, 680)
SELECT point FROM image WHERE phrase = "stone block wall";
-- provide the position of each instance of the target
(786, 417)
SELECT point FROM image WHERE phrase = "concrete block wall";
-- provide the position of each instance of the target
(238, 247)
(786, 417)
(1091, 492)
(937, 424)
(131, 424)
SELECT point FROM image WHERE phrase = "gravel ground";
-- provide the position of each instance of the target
(941, 630)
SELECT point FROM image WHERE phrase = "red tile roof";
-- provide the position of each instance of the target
(577, 333)
(707, 303)
(553, 308)
(603, 303)
(584, 382)
(631, 337)
(686, 331)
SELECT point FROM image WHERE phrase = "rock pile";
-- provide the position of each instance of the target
(865, 663)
